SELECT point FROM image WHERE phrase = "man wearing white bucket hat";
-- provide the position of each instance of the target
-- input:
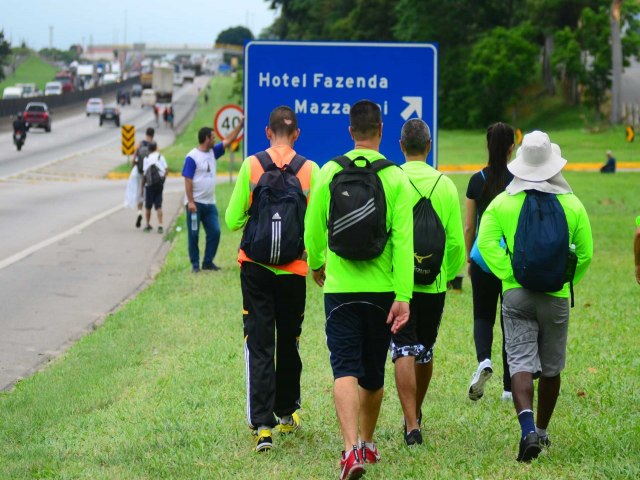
(536, 315)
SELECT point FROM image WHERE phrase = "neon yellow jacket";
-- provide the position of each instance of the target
(392, 271)
(446, 203)
(501, 218)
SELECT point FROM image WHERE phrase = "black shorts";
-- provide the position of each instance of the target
(153, 196)
(358, 336)
(418, 337)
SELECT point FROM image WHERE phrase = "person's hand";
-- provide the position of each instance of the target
(319, 276)
(398, 316)
(191, 206)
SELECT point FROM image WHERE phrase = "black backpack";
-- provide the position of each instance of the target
(429, 240)
(358, 209)
(541, 243)
(274, 233)
(143, 151)
(152, 176)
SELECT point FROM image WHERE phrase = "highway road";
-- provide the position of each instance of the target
(70, 253)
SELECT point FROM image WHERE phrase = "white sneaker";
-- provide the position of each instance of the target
(507, 396)
(483, 373)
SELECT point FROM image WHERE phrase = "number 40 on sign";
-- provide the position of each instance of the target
(228, 118)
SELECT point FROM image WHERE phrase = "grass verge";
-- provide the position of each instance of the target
(158, 390)
(32, 70)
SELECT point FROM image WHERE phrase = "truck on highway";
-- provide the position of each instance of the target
(85, 75)
(67, 79)
(146, 77)
(162, 83)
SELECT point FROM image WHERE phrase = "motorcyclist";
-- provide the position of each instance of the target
(19, 125)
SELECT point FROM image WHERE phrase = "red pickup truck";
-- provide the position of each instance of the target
(37, 114)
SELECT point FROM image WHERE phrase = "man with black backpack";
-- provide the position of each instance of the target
(138, 160)
(549, 247)
(154, 173)
(270, 200)
(438, 246)
(361, 210)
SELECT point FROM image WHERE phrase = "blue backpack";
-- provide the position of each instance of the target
(541, 244)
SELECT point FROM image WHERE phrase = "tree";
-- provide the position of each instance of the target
(616, 60)
(5, 51)
(501, 64)
(234, 36)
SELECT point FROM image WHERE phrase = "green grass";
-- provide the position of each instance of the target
(32, 70)
(219, 95)
(158, 391)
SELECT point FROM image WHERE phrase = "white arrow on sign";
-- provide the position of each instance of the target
(415, 105)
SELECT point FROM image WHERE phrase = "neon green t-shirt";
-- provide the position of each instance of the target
(501, 218)
(392, 271)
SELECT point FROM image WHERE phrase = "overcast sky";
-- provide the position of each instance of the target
(152, 21)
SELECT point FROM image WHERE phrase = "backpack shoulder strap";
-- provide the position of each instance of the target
(381, 164)
(265, 159)
(434, 185)
(342, 160)
(414, 186)
(296, 163)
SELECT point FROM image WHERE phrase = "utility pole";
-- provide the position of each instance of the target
(125, 28)
(50, 36)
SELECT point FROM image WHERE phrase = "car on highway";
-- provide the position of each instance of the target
(37, 114)
(94, 106)
(110, 113)
(136, 90)
(11, 93)
(148, 98)
(53, 88)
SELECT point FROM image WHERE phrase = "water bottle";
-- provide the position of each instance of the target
(572, 262)
(194, 221)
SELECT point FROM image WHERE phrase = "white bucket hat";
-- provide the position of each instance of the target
(536, 160)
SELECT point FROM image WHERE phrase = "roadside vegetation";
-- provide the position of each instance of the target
(32, 70)
(158, 391)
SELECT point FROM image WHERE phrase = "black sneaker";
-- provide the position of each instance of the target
(160, 229)
(195, 270)
(264, 443)
(139, 221)
(213, 267)
(529, 447)
(148, 228)
(414, 437)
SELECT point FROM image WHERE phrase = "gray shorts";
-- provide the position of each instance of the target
(535, 330)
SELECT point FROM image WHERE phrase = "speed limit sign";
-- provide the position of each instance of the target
(228, 118)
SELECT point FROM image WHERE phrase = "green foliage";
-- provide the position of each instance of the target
(56, 55)
(5, 51)
(501, 64)
(234, 35)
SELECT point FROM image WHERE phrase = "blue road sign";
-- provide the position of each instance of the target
(321, 80)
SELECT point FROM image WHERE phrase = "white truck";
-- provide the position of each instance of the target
(85, 75)
(162, 83)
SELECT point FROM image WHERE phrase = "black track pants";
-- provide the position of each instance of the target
(273, 311)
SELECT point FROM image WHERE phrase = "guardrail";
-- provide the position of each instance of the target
(13, 106)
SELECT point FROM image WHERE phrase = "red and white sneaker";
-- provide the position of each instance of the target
(369, 455)
(351, 465)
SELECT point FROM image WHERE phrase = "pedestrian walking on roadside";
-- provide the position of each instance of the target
(483, 187)
(156, 114)
(360, 208)
(142, 150)
(548, 249)
(199, 172)
(155, 173)
(435, 264)
(272, 274)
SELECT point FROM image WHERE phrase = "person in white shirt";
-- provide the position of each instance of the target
(154, 171)
(199, 174)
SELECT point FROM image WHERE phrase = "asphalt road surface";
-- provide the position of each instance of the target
(70, 253)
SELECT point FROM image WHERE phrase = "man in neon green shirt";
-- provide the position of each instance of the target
(365, 300)
(535, 323)
(412, 347)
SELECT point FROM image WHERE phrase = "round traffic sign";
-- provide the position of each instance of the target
(228, 118)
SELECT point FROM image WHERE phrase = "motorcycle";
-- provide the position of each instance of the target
(18, 139)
